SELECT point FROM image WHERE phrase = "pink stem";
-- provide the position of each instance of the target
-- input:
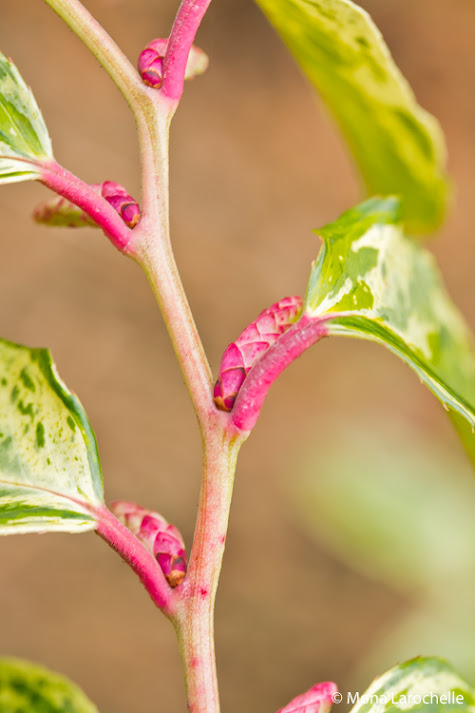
(141, 560)
(71, 187)
(301, 335)
(196, 596)
(183, 33)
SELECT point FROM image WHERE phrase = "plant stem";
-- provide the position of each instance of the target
(137, 556)
(155, 254)
(195, 609)
(187, 22)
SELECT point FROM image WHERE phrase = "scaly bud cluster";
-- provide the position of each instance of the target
(150, 62)
(60, 211)
(241, 355)
(162, 540)
(122, 202)
(317, 700)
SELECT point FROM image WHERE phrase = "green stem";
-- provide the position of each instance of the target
(195, 611)
(155, 254)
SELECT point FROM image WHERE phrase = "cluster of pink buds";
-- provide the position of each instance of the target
(60, 211)
(122, 202)
(150, 62)
(162, 540)
(317, 700)
(241, 355)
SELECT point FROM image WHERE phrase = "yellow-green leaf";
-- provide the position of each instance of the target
(28, 688)
(50, 477)
(398, 146)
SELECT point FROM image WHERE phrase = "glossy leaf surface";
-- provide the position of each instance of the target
(370, 281)
(398, 146)
(27, 688)
(23, 134)
(422, 684)
(50, 477)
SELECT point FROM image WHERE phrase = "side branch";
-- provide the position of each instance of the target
(137, 556)
(66, 184)
(307, 331)
(183, 33)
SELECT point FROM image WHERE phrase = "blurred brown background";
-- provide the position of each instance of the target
(256, 164)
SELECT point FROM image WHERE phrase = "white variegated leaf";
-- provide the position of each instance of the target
(24, 139)
(50, 478)
(422, 684)
(370, 281)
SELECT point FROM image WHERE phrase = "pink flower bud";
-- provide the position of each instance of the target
(162, 540)
(317, 700)
(241, 355)
(150, 62)
(122, 202)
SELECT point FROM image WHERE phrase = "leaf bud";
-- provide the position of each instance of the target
(161, 539)
(122, 202)
(150, 62)
(317, 700)
(242, 355)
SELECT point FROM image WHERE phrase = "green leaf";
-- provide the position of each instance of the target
(427, 684)
(27, 688)
(50, 477)
(24, 138)
(371, 282)
(60, 212)
(398, 146)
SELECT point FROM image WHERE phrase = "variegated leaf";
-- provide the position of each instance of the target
(372, 282)
(24, 138)
(427, 684)
(398, 146)
(27, 688)
(50, 477)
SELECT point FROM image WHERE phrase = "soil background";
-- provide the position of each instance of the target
(256, 164)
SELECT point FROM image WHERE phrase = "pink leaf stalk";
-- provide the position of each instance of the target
(61, 211)
(245, 352)
(107, 216)
(185, 27)
(140, 559)
(298, 337)
(318, 699)
(162, 540)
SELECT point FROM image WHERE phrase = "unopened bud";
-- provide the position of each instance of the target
(122, 202)
(241, 355)
(317, 700)
(150, 62)
(162, 540)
